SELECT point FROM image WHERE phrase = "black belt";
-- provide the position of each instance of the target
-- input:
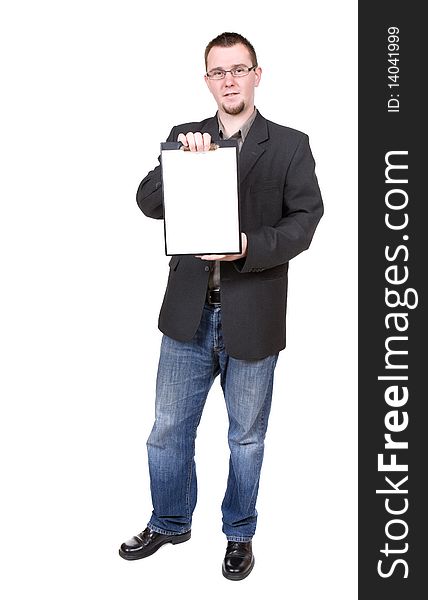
(213, 297)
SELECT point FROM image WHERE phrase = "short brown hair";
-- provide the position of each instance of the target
(228, 39)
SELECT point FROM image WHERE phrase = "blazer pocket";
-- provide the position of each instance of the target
(173, 263)
(265, 185)
(274, 273)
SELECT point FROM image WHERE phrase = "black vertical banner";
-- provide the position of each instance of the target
(393, 269)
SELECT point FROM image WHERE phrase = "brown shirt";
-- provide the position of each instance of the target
(240, 135)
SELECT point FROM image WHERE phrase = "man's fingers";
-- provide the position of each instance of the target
(199, 142)
(196, 142)
(191, 141)
(226, 257)
(182, 138)
(211, 256)
(207, 141)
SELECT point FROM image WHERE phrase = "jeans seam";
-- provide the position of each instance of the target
(189, 480)
(164, 531)
(189, 477)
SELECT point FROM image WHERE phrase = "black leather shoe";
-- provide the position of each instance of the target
(147, 542)
(239, 560)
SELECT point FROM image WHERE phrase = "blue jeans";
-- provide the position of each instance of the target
(185, 375)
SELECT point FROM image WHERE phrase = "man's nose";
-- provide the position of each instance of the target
(229, 79)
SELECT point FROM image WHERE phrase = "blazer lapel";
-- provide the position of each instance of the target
(253, 147)
(211, 127)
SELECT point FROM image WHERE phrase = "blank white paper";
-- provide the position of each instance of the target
(201, 210)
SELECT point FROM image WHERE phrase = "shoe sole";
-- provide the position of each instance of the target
(238, 576)
(175, 539)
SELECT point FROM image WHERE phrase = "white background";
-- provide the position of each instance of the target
(89, 90)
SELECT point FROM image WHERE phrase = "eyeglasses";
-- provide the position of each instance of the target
(238, 71)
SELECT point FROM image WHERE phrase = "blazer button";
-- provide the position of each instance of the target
(207, 268)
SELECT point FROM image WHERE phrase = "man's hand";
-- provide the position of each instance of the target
(227, 257)
(196, 142)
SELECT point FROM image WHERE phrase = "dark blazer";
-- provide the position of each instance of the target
(281, 205)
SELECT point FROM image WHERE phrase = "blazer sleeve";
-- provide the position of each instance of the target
(149, 193)
(302, 209)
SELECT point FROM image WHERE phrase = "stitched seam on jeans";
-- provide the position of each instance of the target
(165, 531)
(189, 479)
(261, 427)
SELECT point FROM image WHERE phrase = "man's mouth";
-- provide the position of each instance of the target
(231, 94)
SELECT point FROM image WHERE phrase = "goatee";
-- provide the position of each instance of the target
(234, 110)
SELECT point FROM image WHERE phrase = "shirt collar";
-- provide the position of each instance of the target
(243, 131)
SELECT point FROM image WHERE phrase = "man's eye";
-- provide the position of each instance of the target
(239, 70)
(216, 73)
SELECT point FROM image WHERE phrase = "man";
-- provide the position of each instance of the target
(225, 314)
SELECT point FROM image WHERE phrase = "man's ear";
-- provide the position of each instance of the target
(258, 73)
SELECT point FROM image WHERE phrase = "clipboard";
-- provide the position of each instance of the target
(201, 199)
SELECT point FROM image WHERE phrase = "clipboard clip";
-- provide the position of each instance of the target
(213, 146)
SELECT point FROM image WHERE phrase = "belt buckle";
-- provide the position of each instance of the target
(211, 295)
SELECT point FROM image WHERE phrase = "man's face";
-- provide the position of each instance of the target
(233, 94)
